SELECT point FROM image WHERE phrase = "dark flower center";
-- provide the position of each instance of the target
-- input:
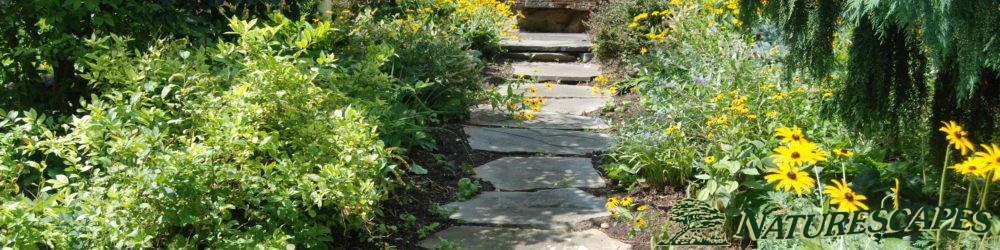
(792, 175)
(849, 196)
(843, 151)
(973, 168)
(958, 135)
(795, 155)
(796, 137)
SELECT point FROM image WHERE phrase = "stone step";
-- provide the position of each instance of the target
(558, 90)
(550, 71)
(548, 42)
(529, 173)
(543, 56)
(544, 120)
(498, 238)
(549, 209)
(547, 141)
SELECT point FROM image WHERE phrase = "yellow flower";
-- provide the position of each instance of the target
(632, 25)
(614, 214)
(625, 202)
(789, 178)
(612, 202)
(798, 153)
(844, 197)
(670, 130)
(895, 193)
(709, 159)
(535, 70)
(767, 86)
(519, 75)
(973, 165)
(717, 97)
(548, 86)
(739, 100)
(991, 159)
(770, 114)
(956, 136)
(517, 116)
(640, 17)
(328, 12)
(751, 116)
(733, 92)
(639, 222)
(844, 152)
(643, 51)
(827, 94)
(779, 96)
(536, 108)
(737, 22)
(790, 134)
(528, 115)
(641, 208)
(594, 89)
(345, 11)
(613, 89)
(796, 91)
(533, 90)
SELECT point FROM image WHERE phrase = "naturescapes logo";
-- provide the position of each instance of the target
(701, 225)
(781, 227)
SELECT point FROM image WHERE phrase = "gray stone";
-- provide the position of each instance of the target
(542, 56)
(527, 173)
(548, 42)
(498, 238)
(548, 141)
(572, 106)
(549, 71)
(558, 90)
(545, 120)
(551, 208)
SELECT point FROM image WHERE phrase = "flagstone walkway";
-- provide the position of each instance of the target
(539, 198)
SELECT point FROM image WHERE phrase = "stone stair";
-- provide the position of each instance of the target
(538, 198)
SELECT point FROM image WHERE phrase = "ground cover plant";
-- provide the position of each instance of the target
(276, 127)
(769, 113)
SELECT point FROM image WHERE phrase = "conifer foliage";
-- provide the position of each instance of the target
(907, 59)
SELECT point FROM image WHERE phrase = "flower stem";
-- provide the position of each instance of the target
(944, 175)
(986, 192)
(968, 195)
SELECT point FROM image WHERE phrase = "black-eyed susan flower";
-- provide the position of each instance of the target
(751, 117)
(614, 213)
(789, 178)
(973, 165)
(643, 50)
(844, 152)
(845, 198)
(772, 113)
(528, 115)
(612, 202)
(625, 202)
(957, 137)
(639, 222)
(671, 130)
(641, 208)
(548, 86)
(827, 94)
(533, 90)
(798, 153)
(709, 159)
(991, 159)
(793, 134)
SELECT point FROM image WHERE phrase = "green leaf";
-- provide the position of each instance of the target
(417, 169)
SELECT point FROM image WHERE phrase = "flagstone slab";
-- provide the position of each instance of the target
(573, 106)
(528, 173)
(543, 56)
(556, 91)
(498, 238)
(544, 120)
(548, 42)
(550, 208)
(551, 71)
(548, 141)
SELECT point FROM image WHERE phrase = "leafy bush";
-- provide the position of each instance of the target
(285, 134)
